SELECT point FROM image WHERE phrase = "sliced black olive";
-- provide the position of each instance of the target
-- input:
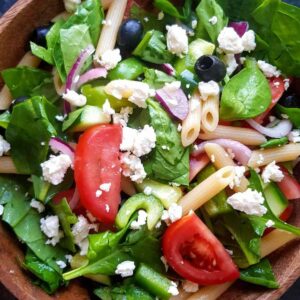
(291, 100)
(130, 34)
(39, 35)
(210, 67)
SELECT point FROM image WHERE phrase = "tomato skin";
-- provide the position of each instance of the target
(289, 185)
(277, 90)
(97, 162)
(190, 235)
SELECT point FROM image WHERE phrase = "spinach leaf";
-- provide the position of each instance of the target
(167, 7)
(4, 119)
(259, 223)
(66, 219)
(153, 48)
(275, 143)
(260, 274)
(46, 277)
(205, 11)
(41, 52)
(125, 291)
(72, 41)
(31, 126)
(169, 161)
(72, 118)
(292, 112)
(157, 79)
(246, 94)
(22, 80)
(46, 89)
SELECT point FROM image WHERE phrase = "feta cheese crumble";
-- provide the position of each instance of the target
(110, 58)
(55, 168)
(160, 15)
(74, 98)
(272, 172)
(1, 209)
(249, 202)
(173, 214)
(50, 227)
(107, 109)
(141, 220)
(268, 69)
(231, 64)
(189, 286)
(177, 40)
(286, 83)
(132, 167)
(213, 20)
(194, 24)
(229, 41)
(294, 136)
(208, 89)
(135, 91)
(122, 117)
(125, 268)
(61, 264)
(248, 41)
(173, 290)
(105, 187)
(239, 172)
(4, 146)
(38, 205)
(270, 223)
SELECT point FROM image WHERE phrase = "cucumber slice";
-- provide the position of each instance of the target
(90, 116)
(165, 193)
(197, 48)
(275, 198)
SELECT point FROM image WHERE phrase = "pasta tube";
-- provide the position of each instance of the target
(210, 114)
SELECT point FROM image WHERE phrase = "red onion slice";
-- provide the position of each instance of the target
(75, 199)
(58, 145)
(241, 152)
(168, 69)
(240, 27)
(174, 101)
(282, 129)
(197, 164)
(91, 75)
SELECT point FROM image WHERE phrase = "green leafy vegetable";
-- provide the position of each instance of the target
(260, 274)
(4, 119)
(47, 278)
(189, 81)
(46, 89)
(157, 79)
(167, 7)
(169, 161)
(246, 94)
(205, 11)
(292, 112)
(22, 80)
(275, 143)
(73, 117)
(153, 48)
(66, 218)
(31, 126)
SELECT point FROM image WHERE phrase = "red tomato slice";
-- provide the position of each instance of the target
(97, 162)
(289, 185)
(196, 254)
(197, 164)
(277, 89)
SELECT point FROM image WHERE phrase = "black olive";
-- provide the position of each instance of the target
(296, 171)
(210, 67)
(130, 34)
(291, 100)
(39, 35)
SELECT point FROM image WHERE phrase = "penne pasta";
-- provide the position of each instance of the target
(220, 158)
(7, 165)
(269, 243)
(110, 29)
(207, 189)
(246, 136)
(210, 114)
(106, 3)
(280, 154)
(127, 186)
(191, 124)
(6, 98)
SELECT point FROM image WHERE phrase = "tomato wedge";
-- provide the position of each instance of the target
(97, 162)
(277, 89)
(289, 185)
(196, 254)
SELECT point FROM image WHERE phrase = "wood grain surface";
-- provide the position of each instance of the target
(15, 28)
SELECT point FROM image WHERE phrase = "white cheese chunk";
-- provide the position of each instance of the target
(208, 89)
(294, 136)
(132, 167)
(177, 40)
(213, 20)
(110, 58)
(141, 220)
(122, 117)
(38, 205)
(272, 172)
(249, 202)
(61, 264)
(4, 146)
(231, 64)
(189, 286)
(50, 227)
(107, 109)
(248, 41)
(229, 41)
(173, 290)
(74, 98)
(239, 172)
(270, 223)
(268, 69)
(55, 168)
(125, 268)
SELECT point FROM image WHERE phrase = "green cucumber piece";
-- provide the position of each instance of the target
(150, 204)
(197, 48)
(275, 198)
(165, 193)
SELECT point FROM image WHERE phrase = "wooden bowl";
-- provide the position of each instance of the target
(15, 28)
